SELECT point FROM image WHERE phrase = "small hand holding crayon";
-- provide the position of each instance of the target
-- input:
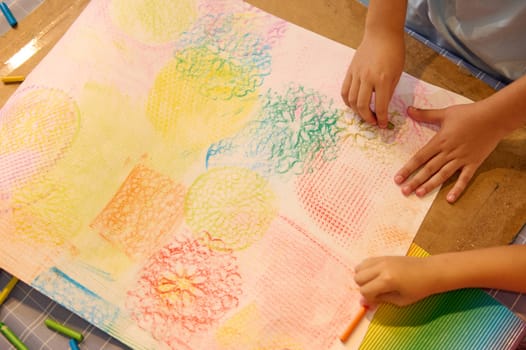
(398, 280)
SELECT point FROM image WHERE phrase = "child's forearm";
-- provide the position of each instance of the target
(499, 268)
(386, 16)
(507, 107)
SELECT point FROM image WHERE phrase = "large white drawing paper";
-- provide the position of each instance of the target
(184, 175)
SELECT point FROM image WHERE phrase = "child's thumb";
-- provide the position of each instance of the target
(433, 116)
(395, 299)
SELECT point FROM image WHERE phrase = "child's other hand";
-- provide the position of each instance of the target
(376, 68)
(465, 139)
(398, 280)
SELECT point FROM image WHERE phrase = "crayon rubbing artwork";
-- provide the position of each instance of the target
(184, 175)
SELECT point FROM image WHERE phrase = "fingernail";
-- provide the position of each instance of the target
(451, 198)
(420, 192)
(399, 179)
(363, 301)
(406, 190)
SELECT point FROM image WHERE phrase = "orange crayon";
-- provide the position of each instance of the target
(361, 313)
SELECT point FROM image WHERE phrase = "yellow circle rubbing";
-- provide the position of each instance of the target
(194, 107)
(42, 213)
(42, 123)
(153, 21)
(233, 205)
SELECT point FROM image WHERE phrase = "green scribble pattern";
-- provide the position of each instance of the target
(366, 135)
(294, 129)
(299, 126)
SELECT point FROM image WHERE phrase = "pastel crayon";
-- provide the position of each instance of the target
(7, 289)
(8, 14)
(13, 79)
(64, 330)
(73, 345)
(12, 338)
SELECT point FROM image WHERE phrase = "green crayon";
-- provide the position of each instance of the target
(60, 328)
(12, 338)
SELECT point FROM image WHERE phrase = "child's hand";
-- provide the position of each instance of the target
(466, 138)
(398, 280)
(375, 68)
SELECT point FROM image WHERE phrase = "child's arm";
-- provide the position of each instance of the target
(378, 62)
(468, 134)
(404, 280)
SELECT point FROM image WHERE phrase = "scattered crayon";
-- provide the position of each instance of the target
(7, 289)
(60, 328)
(8, 14)
(12, 338)
(13, 79)
(354, 323)
(73, 345)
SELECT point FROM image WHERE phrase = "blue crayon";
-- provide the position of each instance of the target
(73, 345)
(8, 14)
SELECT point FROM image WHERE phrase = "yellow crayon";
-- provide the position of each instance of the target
(7, 289)
(13, 79)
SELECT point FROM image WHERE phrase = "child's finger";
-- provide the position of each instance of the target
(462, 182)
(381, 103)
(445, 172)
(433, 116)
(354, 89)
(374, 288)
(420, 158)
(367, 263)
(393, 298)
(364, 276)
(346, 86)
(367, 304)
(424, 173)
(363, 103)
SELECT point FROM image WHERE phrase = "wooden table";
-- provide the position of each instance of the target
(492, 209)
